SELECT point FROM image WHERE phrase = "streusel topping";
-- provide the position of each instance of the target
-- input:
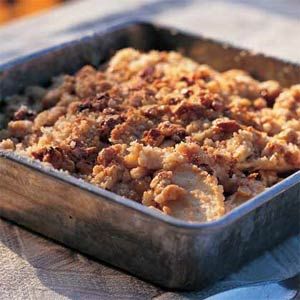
(165, 131)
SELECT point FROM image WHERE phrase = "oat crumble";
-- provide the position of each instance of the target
(163, 130)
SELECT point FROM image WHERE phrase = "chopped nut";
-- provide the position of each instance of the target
(7, 144)
(23, 113)
(20, 129)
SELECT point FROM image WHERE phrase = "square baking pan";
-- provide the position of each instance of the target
(161, 249)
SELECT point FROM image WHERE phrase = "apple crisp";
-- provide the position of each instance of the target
(162, 130)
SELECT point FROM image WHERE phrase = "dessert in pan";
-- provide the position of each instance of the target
(162, 130)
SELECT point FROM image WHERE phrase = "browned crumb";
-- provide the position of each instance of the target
(165, 131)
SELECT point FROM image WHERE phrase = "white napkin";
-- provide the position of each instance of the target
(280, 263)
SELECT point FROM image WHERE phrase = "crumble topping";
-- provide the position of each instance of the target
(162, 130)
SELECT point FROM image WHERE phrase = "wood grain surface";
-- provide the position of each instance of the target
(32, 267)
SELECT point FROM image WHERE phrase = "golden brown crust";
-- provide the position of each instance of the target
(165, 131)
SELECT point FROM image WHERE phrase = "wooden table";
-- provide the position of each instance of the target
(33, 267)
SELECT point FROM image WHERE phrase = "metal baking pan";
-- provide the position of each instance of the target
(161, 249)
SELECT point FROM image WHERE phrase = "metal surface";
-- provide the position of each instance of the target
(158, 248)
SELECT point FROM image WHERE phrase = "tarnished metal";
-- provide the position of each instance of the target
(148, 244)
